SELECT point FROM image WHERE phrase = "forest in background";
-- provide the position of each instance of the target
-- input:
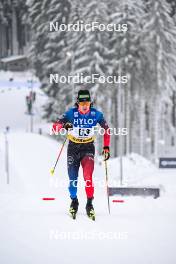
(146, 53)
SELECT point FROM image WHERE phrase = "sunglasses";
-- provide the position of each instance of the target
(84, 103)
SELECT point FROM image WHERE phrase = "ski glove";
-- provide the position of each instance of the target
(106, 153)
(68, 126)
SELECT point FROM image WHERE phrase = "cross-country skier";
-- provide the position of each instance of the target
(80, 122)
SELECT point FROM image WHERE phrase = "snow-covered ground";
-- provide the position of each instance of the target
(36, 231)
(140, 230)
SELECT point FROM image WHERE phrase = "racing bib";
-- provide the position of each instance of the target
(82, 132)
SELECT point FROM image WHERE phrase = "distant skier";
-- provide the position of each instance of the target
(29, 104)
(80, 122)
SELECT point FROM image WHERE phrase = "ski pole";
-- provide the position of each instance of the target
(106, 172)
(53, 169)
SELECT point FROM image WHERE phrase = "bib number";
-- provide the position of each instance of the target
(84, 132)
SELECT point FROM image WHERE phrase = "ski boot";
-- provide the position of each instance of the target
(89, 209)
(74, 207)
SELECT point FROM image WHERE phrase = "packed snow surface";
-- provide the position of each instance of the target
(139, 230)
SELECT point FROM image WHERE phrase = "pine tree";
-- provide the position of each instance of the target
(159, 36)
(47, 51)
(126, 53)
(89, 48)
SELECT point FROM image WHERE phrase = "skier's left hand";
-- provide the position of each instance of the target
(106, 153)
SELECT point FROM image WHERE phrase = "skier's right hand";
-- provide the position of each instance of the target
(68, 126)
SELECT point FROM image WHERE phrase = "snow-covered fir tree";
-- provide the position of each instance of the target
(160, 44)
(126, 54)
(48, 47)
